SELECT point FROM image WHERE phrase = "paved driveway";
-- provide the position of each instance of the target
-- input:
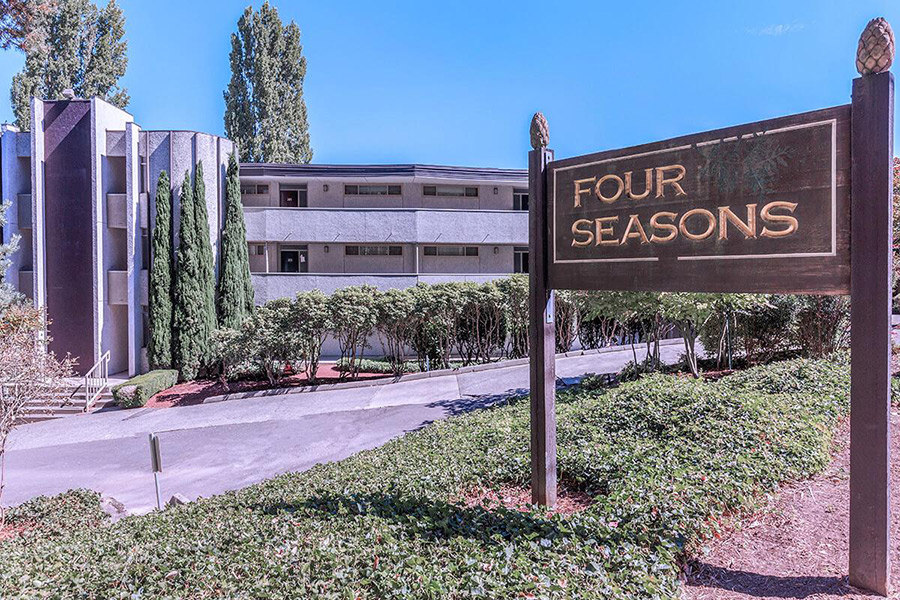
(211, 448)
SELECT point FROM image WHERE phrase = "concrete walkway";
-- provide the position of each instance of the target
(211, 448)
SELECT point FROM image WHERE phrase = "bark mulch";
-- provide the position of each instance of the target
(196, 391)
(797, 548)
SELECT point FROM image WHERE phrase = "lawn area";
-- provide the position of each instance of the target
(667, 460)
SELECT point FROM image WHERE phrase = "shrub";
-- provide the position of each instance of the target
(437, 308)
(313, 322)
(353, 315)
(663, 458)
(764, 329)
(135, 392)
(480, 331)
(822, 324)
(514, 290)
(396, 325)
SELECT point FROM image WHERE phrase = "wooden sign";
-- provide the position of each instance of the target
(797, 204)
(762, 207)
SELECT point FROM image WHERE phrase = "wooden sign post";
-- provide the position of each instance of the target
(794, 205)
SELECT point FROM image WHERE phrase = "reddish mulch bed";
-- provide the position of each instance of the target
(519, 498)
(799, 547)
(195, 392)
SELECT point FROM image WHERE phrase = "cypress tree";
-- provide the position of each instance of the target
(190, 335)
(234, 301)
(159, 346)
(207, 262)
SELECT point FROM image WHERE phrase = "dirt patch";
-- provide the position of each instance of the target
(518, 498)
(196, 391)
(798, 548)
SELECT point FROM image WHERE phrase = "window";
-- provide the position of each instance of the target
(254, 189)
(457, 191)
(373, 250)
(372, 190)
(451, 250)
(520, 200)
(292, 196)
(520, 259)
(258, 249)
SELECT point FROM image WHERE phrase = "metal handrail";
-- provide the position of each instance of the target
(96, 380)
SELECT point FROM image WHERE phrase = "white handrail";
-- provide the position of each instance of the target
(96, 380)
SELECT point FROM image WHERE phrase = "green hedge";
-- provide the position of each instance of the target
(666, 460)
(136, 391)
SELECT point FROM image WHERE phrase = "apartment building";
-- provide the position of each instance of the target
(329, 226)
(81, 188)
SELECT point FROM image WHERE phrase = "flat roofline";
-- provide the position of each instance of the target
(385, 171)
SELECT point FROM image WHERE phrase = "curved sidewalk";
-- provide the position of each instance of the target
(210, 448)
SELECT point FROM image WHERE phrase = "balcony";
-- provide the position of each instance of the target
(117, 287)
(23, 202)
(397, 226)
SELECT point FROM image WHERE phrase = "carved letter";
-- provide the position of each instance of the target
(619, 187)
(670, 227)
(648, 180)
(791, 222)
(579, 191)
(711, 219)
(662, 181)
(748, 228)
(586, 232)
(599, 224)
(634, 222)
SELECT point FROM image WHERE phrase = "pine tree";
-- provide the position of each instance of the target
(189, 334)
(234, 301)
(159, 347)
(207, 262)
(81, 47)
(264, 108)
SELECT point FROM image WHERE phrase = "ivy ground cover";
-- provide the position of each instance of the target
(664, 458)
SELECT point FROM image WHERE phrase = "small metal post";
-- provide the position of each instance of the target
(156, 466)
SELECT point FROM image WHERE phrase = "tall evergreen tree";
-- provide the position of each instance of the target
(264, 108)
(190, 336)
(159, 346)
(234, 301)
(81, 47)
(207, 262)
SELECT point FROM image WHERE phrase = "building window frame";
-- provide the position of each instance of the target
(254, 189)
(458, 251)
(520, 259)
(450, 191)
(520, 199)
(368, 189)
(372, 250)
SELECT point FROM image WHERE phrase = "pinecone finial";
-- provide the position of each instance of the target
(876, 47)
(540, 131)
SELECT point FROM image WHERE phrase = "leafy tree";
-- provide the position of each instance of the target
(191, 327)
(396, 325)
(515, 305)
(17, 19)
(159, 346)
(234, 301)
(206, 261)
(8, 295)
(271, 338)
(82, 48)
(312, 324)
(265, 112)
(353, 315)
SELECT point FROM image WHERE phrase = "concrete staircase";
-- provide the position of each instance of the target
(41, 410)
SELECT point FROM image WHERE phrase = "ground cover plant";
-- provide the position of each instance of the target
(665, 458)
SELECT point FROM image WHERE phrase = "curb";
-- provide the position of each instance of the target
(380, 381)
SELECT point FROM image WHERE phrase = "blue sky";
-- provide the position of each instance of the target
(457, 83)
